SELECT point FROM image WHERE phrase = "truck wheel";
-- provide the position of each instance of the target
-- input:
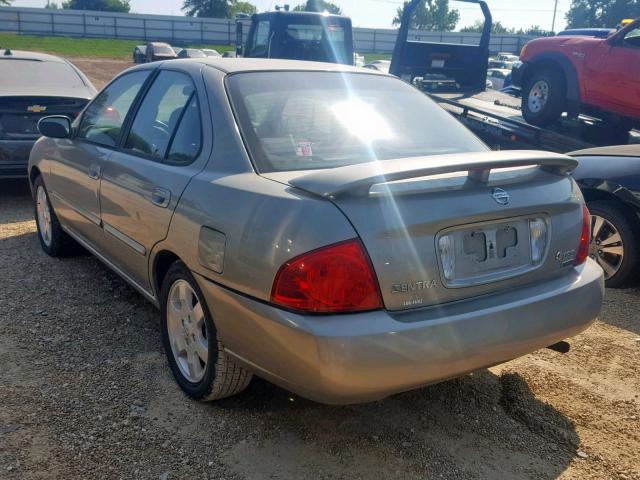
(54, 241)
(615, 243)
(544, 98)
(195, 353)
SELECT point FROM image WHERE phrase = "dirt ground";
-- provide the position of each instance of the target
(101, 71)
(85, 393)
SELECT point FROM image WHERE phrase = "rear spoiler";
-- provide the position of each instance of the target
(353, 179)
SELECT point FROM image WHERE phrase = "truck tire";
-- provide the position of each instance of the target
(544, 98)
(620, 260)
(54, 241)
(196, 355)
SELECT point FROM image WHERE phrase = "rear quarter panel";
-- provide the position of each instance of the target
(619, 176)
(264, 222)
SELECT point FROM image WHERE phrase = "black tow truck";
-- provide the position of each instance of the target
(312, 36)
(455, 76)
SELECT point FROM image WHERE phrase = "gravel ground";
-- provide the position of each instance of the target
(85, 393)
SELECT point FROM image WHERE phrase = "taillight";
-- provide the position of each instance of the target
(585, 237)
(334, 279)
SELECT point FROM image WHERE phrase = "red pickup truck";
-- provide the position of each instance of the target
(599, 77)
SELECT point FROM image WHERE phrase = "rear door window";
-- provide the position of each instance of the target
(187, 140)
(159, 115)
(103, 119)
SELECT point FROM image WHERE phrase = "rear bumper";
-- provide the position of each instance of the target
(362, 357)
(14, 158)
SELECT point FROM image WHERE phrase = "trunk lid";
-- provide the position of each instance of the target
(485, 203)
(19, 115)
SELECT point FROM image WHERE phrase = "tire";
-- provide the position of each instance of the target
(544, 98)
(186, 328)
(626, 224)
(53, 239)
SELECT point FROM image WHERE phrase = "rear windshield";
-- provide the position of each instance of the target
(38, 74)
(313, 120)
(196, 53)
(164, 50)
(314, 33)
(318, 42)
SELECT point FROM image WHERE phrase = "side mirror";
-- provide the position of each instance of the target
(56, 126)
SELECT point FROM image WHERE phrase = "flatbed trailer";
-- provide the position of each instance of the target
(455, 76)
(497, 119)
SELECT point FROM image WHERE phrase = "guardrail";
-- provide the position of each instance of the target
(188, 30)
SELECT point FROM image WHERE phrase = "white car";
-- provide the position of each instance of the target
(497, 77)
(379, 65)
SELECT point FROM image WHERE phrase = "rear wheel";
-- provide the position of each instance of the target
(544, 98)
(53, 239)
(195, 353)
(615, 242)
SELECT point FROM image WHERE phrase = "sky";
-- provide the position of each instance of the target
(379, 13)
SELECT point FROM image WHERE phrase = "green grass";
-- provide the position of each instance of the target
(81, 47)
(370, 57)
(102, 47)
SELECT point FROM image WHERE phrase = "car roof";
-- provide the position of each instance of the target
(239, 65)
(615, 151)
(25, 55)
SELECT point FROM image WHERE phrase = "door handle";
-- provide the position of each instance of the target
(161, 197)
(94, 172)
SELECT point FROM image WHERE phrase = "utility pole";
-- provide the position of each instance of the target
(553, 23)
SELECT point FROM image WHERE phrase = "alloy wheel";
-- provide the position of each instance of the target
(44, 215)
(606, 245)
(187, 331)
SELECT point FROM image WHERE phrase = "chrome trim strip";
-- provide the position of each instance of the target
(130, 242)
(89, 216)
(144, 292)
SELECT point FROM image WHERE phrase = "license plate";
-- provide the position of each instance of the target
(485, 252)
(437, 63)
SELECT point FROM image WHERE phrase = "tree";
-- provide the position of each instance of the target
(207, 8)
(496, 28)
(534, 30)
(52, 5)
(318, 6)
(431, 15)
(242, 7)
(217, 8)
(101, 5)
(601, 13)
(500, 29)
(5, 2)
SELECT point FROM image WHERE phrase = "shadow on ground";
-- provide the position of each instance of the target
(478, 426)
(95, 355)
